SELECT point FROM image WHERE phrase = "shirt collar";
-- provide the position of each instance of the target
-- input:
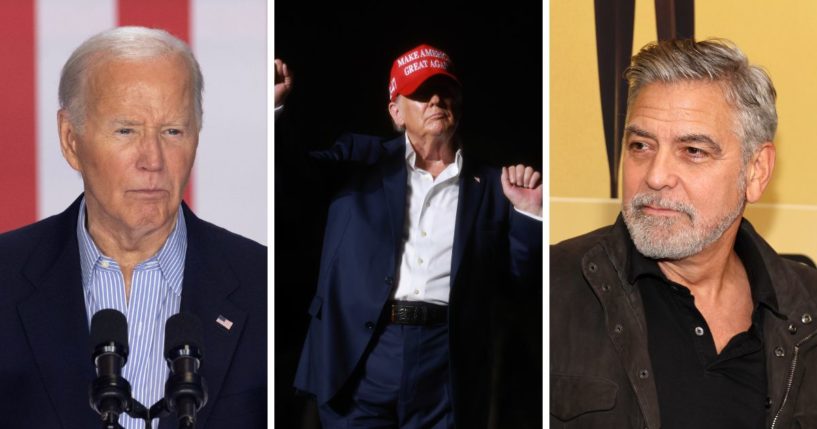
(170, 256)
(411, 157)
(639, 266)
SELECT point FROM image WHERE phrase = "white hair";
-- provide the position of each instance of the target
(122, 43)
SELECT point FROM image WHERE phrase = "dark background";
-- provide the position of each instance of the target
(341, 54)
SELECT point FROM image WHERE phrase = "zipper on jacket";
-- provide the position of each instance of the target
(789, 382)
(790, 379)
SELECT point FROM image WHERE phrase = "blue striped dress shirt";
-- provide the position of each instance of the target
(156, 291)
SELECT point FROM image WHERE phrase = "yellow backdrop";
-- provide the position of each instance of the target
(780, 36)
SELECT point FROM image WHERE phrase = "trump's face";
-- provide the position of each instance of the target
(137, 144)
(684, 181)
(431, 111)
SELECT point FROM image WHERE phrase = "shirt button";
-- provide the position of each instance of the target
(104, 264)
(369, 325)
(423, 233)
(428, 204)
(699, 331)
(416, 291)
(420, 261)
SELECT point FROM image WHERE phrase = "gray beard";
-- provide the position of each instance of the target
(661, 237)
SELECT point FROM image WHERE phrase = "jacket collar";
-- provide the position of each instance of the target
(54, 320)
(395, 175)
(760, 282)
(208, 283)
(473, 185)
(53, 316)
(786, 293)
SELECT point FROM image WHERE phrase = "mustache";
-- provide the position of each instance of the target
(640, 201)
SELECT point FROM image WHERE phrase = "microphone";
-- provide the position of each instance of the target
(185, 390)
(110, 393)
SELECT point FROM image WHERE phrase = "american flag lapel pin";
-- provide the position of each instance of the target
(476, 179)
(224, 322)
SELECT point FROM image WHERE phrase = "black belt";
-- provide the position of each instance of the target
(417, 313)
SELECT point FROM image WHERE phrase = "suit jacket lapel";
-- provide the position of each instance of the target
(206, 287)
(394, 186)
(56, 325)
(472, 188)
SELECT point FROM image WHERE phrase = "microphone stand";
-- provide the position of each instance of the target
(111, 421)
(160, 409)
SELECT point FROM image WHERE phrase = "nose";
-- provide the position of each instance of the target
(151, 155)
(437, 100)
(662, 171)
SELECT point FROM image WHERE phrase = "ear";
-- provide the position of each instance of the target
(68, 139)
(759, 171)
(396, 114)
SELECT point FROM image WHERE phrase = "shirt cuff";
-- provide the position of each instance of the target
(530, 215)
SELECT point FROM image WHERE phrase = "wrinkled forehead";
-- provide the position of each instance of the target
(705, 101)
(164, 73)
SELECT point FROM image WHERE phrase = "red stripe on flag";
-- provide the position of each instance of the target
(172, 16)
(18, 147)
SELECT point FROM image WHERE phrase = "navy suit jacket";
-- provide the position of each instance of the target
(45, 362)
(495, 248)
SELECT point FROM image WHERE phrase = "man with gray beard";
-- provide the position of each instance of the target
(680, 315)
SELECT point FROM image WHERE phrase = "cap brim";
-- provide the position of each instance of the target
(412, 86)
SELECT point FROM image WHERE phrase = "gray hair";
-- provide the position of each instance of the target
(122, 43)
(748, 88)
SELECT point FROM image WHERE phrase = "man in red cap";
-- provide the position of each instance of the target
(420, 239)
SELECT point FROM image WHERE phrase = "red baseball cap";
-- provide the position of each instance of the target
(411, 69)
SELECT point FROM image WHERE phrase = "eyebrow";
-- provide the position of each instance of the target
(121, 122)
(125, 122)
(696, 138)
(686, 138)
(632, 129)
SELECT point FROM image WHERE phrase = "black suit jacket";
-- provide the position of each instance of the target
(45, 362)
(494, 248)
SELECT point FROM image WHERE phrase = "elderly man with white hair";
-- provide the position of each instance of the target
(129, 120)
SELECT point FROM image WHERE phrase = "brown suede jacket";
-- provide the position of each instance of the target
(600, 371)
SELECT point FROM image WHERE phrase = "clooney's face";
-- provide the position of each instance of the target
(137, 144)
(683, 173)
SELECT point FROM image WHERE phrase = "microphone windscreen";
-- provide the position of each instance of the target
(108, 325)
(183, 329)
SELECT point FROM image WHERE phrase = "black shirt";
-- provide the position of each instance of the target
(697, 387)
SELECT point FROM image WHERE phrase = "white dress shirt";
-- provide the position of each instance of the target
(428, 240)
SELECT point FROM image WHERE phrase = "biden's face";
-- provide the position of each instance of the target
(137, 142)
